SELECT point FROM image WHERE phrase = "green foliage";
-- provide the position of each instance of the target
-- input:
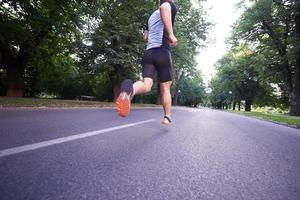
(72, 48)
(269, 26)
(238, 79)
(50, 70)
(103, 87)
(191, 29)
(116, 45)
(192, 90)
(37, 39)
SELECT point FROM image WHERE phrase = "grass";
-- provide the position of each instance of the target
(7, 102)
(279, 118)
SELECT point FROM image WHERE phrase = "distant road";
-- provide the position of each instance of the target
(94, 154)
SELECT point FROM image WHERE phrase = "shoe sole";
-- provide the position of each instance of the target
(123, 102)
(123, 106)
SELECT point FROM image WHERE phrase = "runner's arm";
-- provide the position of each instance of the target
(145, 36)
(166, 16)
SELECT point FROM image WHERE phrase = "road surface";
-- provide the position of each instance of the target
(94, 154)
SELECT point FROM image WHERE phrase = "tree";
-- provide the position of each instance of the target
(68, 48)
(192, 90)
(116, 45)
(191, 29)
(26, 25)
(275, 25)
(238, 79)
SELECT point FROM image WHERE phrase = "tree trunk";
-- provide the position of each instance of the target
(239, 106)
(179, 77)
(15, 65)
(248, 105)
(14, 83)
(295, 97)
(114, 74)
(116, 91)
(14, 72)
(293, 89)
(234, 105)
(113, 77)
(295, 106)
(15, 78)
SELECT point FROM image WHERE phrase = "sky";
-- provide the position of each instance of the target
(223, 14)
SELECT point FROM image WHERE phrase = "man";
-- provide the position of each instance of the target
(157, 59)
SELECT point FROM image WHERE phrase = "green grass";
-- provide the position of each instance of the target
(33, 102)
(54, 103)
(281, 118)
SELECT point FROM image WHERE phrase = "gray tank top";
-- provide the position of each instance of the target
(157, 36)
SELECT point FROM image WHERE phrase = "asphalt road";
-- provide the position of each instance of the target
(205, 154)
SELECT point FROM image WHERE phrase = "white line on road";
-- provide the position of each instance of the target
(29, 147)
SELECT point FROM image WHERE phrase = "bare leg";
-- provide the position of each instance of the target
(123, 102)
(143, 86)
(166, 99)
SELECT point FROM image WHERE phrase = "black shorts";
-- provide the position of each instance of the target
(157, 60)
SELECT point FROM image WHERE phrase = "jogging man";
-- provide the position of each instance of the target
(157, 59)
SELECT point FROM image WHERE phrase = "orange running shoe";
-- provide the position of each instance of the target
(123, 102)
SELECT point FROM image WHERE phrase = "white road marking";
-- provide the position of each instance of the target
(30, 147)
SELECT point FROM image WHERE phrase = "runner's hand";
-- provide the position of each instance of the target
(173, 40)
